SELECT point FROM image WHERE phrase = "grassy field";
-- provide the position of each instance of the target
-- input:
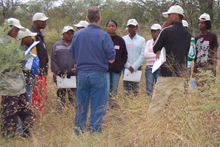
(192, 119)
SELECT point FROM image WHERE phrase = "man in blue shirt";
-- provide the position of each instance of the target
(135, 47)
(93, 49)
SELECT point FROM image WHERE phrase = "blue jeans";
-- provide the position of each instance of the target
(151, 78)
(112, 80)
(91, 87)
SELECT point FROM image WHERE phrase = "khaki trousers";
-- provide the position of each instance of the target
(162, 94)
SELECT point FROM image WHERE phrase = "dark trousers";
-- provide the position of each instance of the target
(61, 93)
(131, 87)
(13, 107)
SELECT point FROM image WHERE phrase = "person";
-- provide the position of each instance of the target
(31, 64)
(192, 49)
(81, 24)
(151, 78)
(176, 41)
(206, 46)
(93, 49)
(135, 47)
(62, 64)
(15, 102)
(39, 95)
(114, 69)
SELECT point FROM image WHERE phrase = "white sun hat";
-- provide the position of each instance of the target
(81, 23)
(204, 17)
(39, 16)
(25, 33)
(155, 26)
(132, 22)
(185, 23)
(174, 9)
(15, 22)
(67, 28)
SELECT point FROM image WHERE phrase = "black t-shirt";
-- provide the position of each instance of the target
(204, 51)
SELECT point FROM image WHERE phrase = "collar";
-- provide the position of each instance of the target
(64, 43)
(133, 37)
(114, 34)
(178, 23)
(34, 30)
(93, 26)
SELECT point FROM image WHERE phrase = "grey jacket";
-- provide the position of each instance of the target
(61, 60)
(12, 81)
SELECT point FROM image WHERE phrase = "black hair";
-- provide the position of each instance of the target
(208, 24)
(112, 21)
(180, 16)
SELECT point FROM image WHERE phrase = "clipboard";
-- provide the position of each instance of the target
(134, 77)
(159, 61)
(66, 83)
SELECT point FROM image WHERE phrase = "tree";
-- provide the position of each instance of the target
(8, 7)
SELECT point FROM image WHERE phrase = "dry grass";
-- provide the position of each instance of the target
(191, 120)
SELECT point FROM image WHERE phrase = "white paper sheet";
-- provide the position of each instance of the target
(134, 77)
(160, 61)
(66, 83)
(29, 49)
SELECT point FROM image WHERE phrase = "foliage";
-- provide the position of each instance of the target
(11, 55)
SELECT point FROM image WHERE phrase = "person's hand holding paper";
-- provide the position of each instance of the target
(161, 58)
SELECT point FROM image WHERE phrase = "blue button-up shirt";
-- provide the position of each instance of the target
(135, 49)
(92, 48)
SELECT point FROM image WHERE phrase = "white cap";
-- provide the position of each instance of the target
(132, 22)
(174, 9)
(204, 17)
(39, 16)
(67, 28)
(185, 23)
(25, 33)
(155, 26)
(15, 22)
(81, 23)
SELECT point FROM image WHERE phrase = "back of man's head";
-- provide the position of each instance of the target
(93, 14)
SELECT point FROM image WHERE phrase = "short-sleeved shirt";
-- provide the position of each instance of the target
(204, 50)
